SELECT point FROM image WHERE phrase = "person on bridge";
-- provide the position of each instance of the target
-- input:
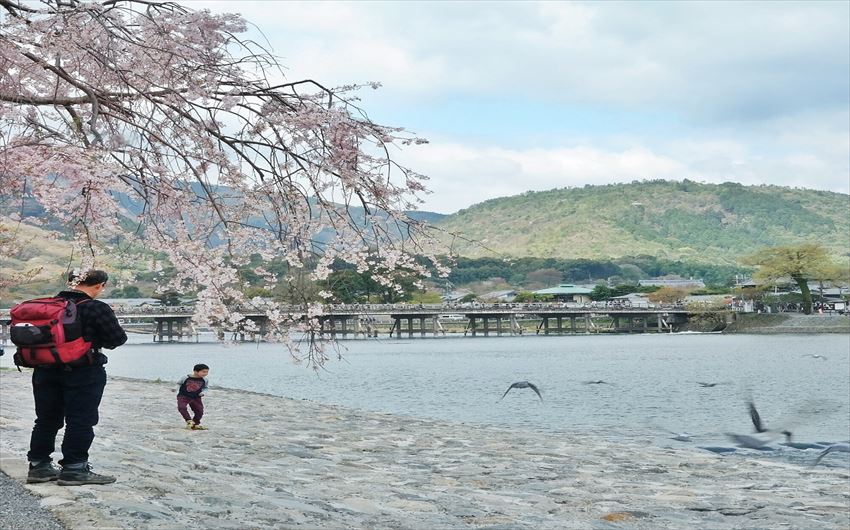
(70, 394)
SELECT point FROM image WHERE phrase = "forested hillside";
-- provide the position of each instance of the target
(688, 221)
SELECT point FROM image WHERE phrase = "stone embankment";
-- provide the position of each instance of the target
(271, 462)
(789, 323)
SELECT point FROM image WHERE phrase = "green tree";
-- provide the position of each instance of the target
(545, 277)
(347, 285)
(802, 263)
(524, 297)
(170, 298)
(128, 291)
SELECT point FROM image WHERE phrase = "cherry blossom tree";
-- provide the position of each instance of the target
(178, 111)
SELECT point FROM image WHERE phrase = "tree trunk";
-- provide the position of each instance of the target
(807, 294)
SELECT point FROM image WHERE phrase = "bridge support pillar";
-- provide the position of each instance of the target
(171, 329)
(471, 326)
(437, 327)
(515, 327)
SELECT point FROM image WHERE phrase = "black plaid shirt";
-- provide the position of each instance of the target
(100, 325)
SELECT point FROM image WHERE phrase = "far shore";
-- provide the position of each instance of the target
(272, 462)
(782, 323)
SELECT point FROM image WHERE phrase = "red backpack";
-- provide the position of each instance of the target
(48, 332)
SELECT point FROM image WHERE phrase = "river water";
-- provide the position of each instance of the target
(651, 380)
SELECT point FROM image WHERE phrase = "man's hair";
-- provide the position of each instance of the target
(199, 367)
(89, 277)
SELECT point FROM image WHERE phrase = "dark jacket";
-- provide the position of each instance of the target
(99, 323)
(192, 387)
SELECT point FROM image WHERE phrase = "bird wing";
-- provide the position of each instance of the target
(533, 387)
(823, 454)
(506, 392)
(754, 415)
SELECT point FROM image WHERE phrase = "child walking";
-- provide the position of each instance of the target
(189, 396)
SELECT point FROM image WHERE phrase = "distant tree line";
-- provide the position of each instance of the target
(621, 271)
(347, 285)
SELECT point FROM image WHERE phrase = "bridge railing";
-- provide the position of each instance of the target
(443, 309)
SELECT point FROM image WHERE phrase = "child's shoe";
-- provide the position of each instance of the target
(199, 427)
(189, 424)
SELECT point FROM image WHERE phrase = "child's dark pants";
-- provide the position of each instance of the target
(195, 404)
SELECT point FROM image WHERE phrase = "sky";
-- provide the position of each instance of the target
(541, 95)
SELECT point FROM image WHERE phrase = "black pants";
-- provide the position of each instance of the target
(69, 397)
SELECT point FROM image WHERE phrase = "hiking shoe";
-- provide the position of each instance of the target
(81, 477)
(190, 424)
(199, 428)
(43, 472)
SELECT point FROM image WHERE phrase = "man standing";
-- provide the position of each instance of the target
(71, 394)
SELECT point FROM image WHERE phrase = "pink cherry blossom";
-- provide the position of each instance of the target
(169, 107)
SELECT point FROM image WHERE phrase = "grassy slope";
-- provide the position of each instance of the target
(688, 221)
(49, 253)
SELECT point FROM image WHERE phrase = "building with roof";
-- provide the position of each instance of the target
(455, 296)
(679, 282)
(633, 299)
(499, 296)
(567, 292)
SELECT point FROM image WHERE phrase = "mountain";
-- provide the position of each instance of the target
(689, 221)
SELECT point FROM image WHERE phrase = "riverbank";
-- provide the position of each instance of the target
(271, 462)
(778, 323)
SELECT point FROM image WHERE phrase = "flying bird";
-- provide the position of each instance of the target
(844, 448)
(598, 382)
(757, 442)
(522, 384)
(815, 356)
(708, 385)
(760, 426)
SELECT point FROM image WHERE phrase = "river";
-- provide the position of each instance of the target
(651, 380)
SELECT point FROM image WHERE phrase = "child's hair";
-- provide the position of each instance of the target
(199, 367)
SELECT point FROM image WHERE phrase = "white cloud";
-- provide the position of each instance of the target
(462, 175)
(754, 92)
(710, 59)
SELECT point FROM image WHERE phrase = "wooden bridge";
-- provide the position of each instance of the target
(174, 324)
